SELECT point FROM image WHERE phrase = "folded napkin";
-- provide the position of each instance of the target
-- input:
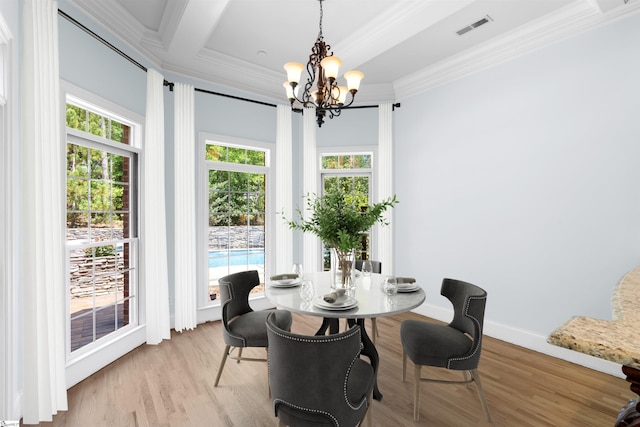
(405, 282)
(284, 276)
(332, 297)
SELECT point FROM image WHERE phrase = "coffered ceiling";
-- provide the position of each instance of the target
(402, 46)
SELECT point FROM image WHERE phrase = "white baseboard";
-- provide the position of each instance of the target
(529, 340)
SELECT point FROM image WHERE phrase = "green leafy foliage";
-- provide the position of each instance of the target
(96, 124)
(236, 198)
(339, 219)
(100, 251)
(96, 178)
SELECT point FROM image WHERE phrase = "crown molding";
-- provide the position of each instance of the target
(572, 20)
(115, 19)
(231, 72)
(171, 18)
(122, 31)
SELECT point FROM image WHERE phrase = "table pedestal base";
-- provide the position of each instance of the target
(630, 415)
(368, 349)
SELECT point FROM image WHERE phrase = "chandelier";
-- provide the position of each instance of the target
(321, 89)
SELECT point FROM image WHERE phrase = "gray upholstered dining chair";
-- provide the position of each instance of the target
(376, 267)
(318, 380)
(242, 326)
(455, 346)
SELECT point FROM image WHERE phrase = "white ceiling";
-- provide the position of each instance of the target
(402, 46)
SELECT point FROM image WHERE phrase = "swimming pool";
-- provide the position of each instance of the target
(222, 258)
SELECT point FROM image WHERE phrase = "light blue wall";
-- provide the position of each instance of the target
(232, 117)
(351, 128)
(89, 64)
(524, 179)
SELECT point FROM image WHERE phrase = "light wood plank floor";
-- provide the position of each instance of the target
(172, 385)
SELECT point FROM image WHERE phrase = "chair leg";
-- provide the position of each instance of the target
(369, 415)
(239, 354)
(268, 378)
(467, 376)
(404, 365)
(476, 378)
(416, 392)
(224, 359)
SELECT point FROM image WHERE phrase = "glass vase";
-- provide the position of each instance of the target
(343, 265)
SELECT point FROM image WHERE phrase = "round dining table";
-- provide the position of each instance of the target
(371, 303)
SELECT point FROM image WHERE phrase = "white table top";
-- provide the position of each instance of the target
(371, 301)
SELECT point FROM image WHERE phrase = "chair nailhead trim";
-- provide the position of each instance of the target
(344, 388)
(314, 411)
(477, 339)
(321, 338)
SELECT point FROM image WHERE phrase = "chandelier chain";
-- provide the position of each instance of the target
(320, 24)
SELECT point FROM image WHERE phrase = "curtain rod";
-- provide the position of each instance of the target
(101, 40)
(171, 84)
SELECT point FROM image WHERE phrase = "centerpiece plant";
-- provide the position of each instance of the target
(340, 220)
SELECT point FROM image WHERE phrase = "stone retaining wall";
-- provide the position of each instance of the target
(81, 266)
(83, 277)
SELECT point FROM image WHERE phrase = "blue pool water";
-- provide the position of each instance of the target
(222, 258)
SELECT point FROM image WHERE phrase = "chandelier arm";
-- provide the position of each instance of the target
(295, 97)
(334, 112)
(338, 107)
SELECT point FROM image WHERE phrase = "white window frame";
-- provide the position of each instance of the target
(95, 142)
(373, 184)
(85, 362)
(208, 310)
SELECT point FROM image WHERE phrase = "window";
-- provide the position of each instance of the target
(237, 199)
(352, 173)
(101, 224)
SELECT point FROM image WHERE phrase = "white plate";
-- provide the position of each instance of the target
(410, 288)
(286, 283)
(346, 304)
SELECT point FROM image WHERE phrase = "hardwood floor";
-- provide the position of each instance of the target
(172, 385)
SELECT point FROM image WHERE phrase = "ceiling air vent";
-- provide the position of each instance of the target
(474, 25)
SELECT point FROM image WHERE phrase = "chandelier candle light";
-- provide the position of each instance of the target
(322, 69)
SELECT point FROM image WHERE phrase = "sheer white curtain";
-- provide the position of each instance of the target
(310, 241)
(154, 223)
(184, 158)
(284, 190)
(9, 197)
(385, 183)
(42, 216)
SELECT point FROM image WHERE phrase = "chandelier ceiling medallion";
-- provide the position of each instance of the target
(321, 89)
